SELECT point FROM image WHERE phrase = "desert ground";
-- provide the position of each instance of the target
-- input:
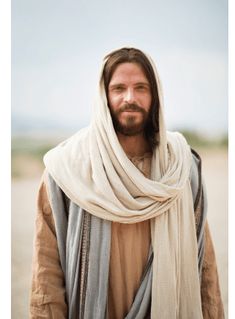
(24, 193)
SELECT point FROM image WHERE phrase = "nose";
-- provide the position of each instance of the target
(129, 96)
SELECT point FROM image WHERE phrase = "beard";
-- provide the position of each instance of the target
(130, 126)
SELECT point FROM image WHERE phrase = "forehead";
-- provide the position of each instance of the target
(128, 71)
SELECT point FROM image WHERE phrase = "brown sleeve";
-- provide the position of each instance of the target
(47, 295)
(212, 306)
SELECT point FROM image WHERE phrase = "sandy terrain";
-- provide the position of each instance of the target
(23, 215)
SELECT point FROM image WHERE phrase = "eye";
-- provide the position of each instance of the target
(118, 88)
(141, 87)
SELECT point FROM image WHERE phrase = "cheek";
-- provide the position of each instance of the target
(114, 101)
(147, 101)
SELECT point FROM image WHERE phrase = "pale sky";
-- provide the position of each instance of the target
(57, 50)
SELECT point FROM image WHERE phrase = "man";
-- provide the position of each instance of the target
(121, 228)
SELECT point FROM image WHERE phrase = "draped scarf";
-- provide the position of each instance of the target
(93, 170)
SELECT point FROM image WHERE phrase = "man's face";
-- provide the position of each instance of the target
(129, 98)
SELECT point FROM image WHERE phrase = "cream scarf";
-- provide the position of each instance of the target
(95, 173)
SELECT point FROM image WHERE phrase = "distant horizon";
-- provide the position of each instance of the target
(37, 127)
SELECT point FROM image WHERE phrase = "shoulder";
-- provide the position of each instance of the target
(55, 195)
(43, 202)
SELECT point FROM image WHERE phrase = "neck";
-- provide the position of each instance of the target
(134, 145)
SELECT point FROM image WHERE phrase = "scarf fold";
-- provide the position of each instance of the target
(94, 172)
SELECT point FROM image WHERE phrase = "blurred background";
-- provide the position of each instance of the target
(57, 50)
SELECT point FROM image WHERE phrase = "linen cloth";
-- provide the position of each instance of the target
(87, 296)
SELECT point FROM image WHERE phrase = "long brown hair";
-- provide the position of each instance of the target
(133, 55)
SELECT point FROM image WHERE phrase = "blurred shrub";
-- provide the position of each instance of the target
(197, 140)
(27, 155)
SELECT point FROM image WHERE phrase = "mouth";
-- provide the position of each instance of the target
(130, 111)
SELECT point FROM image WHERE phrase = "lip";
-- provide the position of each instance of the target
(130, 111)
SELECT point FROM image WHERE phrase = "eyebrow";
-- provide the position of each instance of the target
(115, 85)
(143, 83)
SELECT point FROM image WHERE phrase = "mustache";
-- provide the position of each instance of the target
(131, 107)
